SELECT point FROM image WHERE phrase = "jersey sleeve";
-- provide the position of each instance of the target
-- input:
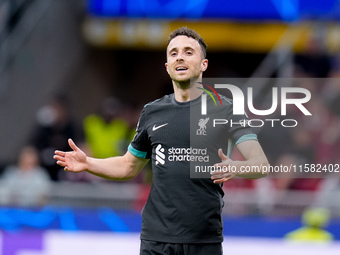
(240, 131)
(140, 145)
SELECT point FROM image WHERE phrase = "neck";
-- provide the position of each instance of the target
(182, 95)
(187, 93)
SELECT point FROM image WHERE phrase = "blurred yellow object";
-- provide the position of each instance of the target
(316, 217)
(105, 139)
(240, 36)
(314, 220)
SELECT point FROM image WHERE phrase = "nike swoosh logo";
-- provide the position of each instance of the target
(154, 128)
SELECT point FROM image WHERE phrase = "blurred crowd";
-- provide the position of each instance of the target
(316, 139)
(108, 132)
(312, 148)
(102, 134)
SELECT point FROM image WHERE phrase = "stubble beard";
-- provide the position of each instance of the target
(185, 84)
(182, 84)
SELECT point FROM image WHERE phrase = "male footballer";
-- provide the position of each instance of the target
(182, 215)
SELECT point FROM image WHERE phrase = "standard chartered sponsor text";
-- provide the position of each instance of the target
(188, 154)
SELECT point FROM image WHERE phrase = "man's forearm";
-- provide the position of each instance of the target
(108, 168)
(256, 162)
(119, 168)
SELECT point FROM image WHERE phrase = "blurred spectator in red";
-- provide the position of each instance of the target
(54, 127)
(302, 145)
(295, 179)
(26, 183)
(332, 93)
(283, 180)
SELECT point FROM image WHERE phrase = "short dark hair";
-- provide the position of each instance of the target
(192, 34)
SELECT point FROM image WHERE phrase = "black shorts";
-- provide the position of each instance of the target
(158, 248)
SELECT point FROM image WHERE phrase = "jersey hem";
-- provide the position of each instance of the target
(181, 240)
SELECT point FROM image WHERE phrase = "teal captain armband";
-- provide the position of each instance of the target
(137, 153)
(246, 138)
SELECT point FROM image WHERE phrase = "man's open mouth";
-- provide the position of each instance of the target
(181, 68)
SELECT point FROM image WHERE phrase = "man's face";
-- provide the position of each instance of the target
(185, 59)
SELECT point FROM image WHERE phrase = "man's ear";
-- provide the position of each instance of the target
(204, 64)
(166, 67)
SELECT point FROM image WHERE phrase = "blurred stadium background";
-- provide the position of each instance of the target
(85, 68)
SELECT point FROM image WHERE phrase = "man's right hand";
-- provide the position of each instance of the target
(73, 161)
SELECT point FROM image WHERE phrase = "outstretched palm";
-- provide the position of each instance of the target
(74, 161)
(224, 175)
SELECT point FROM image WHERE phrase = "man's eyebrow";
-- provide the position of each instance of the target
(189, 48)
(185, 48)
(173, 49)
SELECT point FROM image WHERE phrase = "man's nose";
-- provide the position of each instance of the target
(179, 59)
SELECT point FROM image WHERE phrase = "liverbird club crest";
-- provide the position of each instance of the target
(202, 123)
